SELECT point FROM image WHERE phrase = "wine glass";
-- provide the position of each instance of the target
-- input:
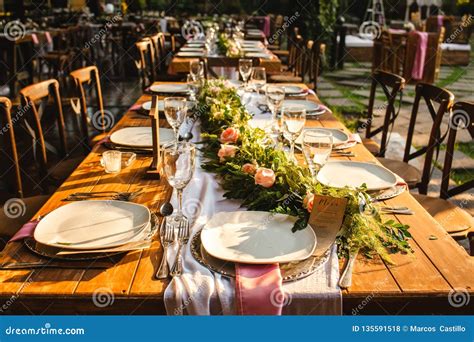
(175, 112)
(259, 78)
(275, 96)
(245, 69)
(193, 86)
(178, 166)
(293, 121)
(196, 69)
(317, 146)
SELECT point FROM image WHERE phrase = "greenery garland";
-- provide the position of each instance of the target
(266, 179)
(227, 46)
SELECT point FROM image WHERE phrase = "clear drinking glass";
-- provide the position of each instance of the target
(259, 78)
(317, 146)
(245, 69)
(275, 96)
(175, 112)
(293, 121)
(178, 166)
(196, 69)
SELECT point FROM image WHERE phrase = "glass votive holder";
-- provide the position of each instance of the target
(114, 161)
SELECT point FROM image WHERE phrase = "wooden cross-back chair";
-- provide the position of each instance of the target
(456, 221)
(300, 57)
(430, 95)
(32, 97)
(89, 76)
(160, 59)
(392, 86)
(146, 61)
(10, 224)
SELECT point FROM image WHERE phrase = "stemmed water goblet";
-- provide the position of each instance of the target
(175, 112)
(258, 78)
(245, 70)
(196, 70)
(275, 96)
(317, 146)
(293, 121)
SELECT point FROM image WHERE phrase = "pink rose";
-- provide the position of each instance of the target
(230, 135)
(265, 177)
(226, 151)
(249, 168)
(308, 202)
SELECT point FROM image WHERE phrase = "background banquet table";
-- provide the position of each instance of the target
(419, 283)
(180, 65)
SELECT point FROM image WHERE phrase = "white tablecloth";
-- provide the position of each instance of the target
(200, 291)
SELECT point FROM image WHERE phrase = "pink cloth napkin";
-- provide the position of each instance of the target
(419, 62)
(266, 26)
(258, 289)
(34, 38)
(26, 231)
(440, 21)
(48, 37)
(399, 31)
(135, 107)
(103, 140)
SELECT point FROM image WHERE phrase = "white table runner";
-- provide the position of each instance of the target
(200, 291)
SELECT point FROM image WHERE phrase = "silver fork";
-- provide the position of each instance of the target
(183, 238)
(166, 238)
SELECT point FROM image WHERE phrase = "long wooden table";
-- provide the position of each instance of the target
(421, 283)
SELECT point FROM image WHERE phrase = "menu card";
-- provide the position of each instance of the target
(326, 219)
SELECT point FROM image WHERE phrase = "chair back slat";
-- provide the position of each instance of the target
(10, 148)
(461, 118)
(430, 94)
(81, 77)
(392, 86)
(43, 91)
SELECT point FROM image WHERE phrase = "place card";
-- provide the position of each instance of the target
(326, 219)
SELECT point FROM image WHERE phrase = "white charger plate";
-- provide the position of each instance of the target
(340, 174)
(92, 225)
(338, 137)
(170, 88)
(191, 49)
(256, 237)
(140, 137)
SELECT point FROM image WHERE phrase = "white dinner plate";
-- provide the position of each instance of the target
(170, 88)
(256, 237)
(311, 107)
(140, 137)
(92, 224)
(293, 90)
(190, 54)
(259, 55)
(253, 49)
(338, 137)
(340, 174)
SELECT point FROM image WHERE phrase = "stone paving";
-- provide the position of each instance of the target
(346, 89)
